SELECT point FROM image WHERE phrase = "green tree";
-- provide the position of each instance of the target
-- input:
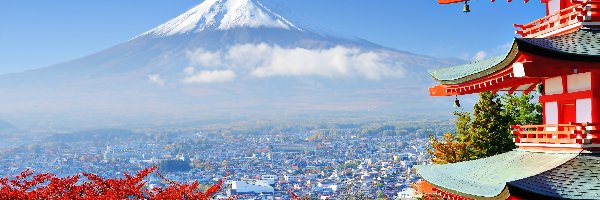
(489, 130)
(521, 109)
(379, 193)
(463, 125)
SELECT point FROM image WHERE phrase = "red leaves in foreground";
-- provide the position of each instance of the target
(49, 186)
(294, 196)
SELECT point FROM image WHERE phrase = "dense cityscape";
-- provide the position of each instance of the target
(371, 160)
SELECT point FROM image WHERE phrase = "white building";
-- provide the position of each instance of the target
(243, 187)
(291, 178)
(407, 193)
(271, 179)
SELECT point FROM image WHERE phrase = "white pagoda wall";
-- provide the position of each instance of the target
(579, 82)
(584, 110)
(551, 112)
(574, 83)
(553, 86)
(553, 6)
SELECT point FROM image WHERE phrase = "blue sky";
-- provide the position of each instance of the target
(36, 34)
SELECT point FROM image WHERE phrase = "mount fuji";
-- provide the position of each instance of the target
(223, 60)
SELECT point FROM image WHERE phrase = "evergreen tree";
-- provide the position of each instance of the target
(463, 125)
(522, 110)
(489, 130)
(488, 133)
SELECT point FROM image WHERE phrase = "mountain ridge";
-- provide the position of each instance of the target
(203, 74)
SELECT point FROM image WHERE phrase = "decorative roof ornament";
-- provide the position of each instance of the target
(539, 88)
(467, 8)
(456, 102)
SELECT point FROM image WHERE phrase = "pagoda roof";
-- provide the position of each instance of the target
(583, 44)
(579, 45)
(488, 177)
(576, 179)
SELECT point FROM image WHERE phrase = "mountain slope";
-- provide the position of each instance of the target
(4, 126)
(222, 60)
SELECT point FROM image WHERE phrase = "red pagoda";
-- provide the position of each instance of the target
(559, 56)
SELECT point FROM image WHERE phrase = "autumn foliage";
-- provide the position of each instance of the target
(452, 148)
(91, 186)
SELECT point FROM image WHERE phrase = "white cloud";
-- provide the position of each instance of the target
(480, 55)
(262, 60)
(204, 58)
(302, 62)
(503, 48)
(373, 66)
(189, 71)
(209, 76)
(155, 78)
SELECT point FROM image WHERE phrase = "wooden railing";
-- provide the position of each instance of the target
(572, 133)
(581, 11)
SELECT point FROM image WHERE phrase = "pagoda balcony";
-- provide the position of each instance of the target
(572, 136)
(581, 13)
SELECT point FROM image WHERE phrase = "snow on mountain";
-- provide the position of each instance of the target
(223, 15)
(223, 59)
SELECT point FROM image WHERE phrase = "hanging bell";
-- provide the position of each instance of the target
(456, 103)
(539, 88)
(466, 8)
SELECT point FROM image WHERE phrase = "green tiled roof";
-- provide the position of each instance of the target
(488, 177)
(451, 73)
(471, 71)
(576, 179)
(580, 45)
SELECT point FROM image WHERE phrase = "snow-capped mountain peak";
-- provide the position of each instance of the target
(223, 15)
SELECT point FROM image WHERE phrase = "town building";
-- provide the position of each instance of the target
(248, 187)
